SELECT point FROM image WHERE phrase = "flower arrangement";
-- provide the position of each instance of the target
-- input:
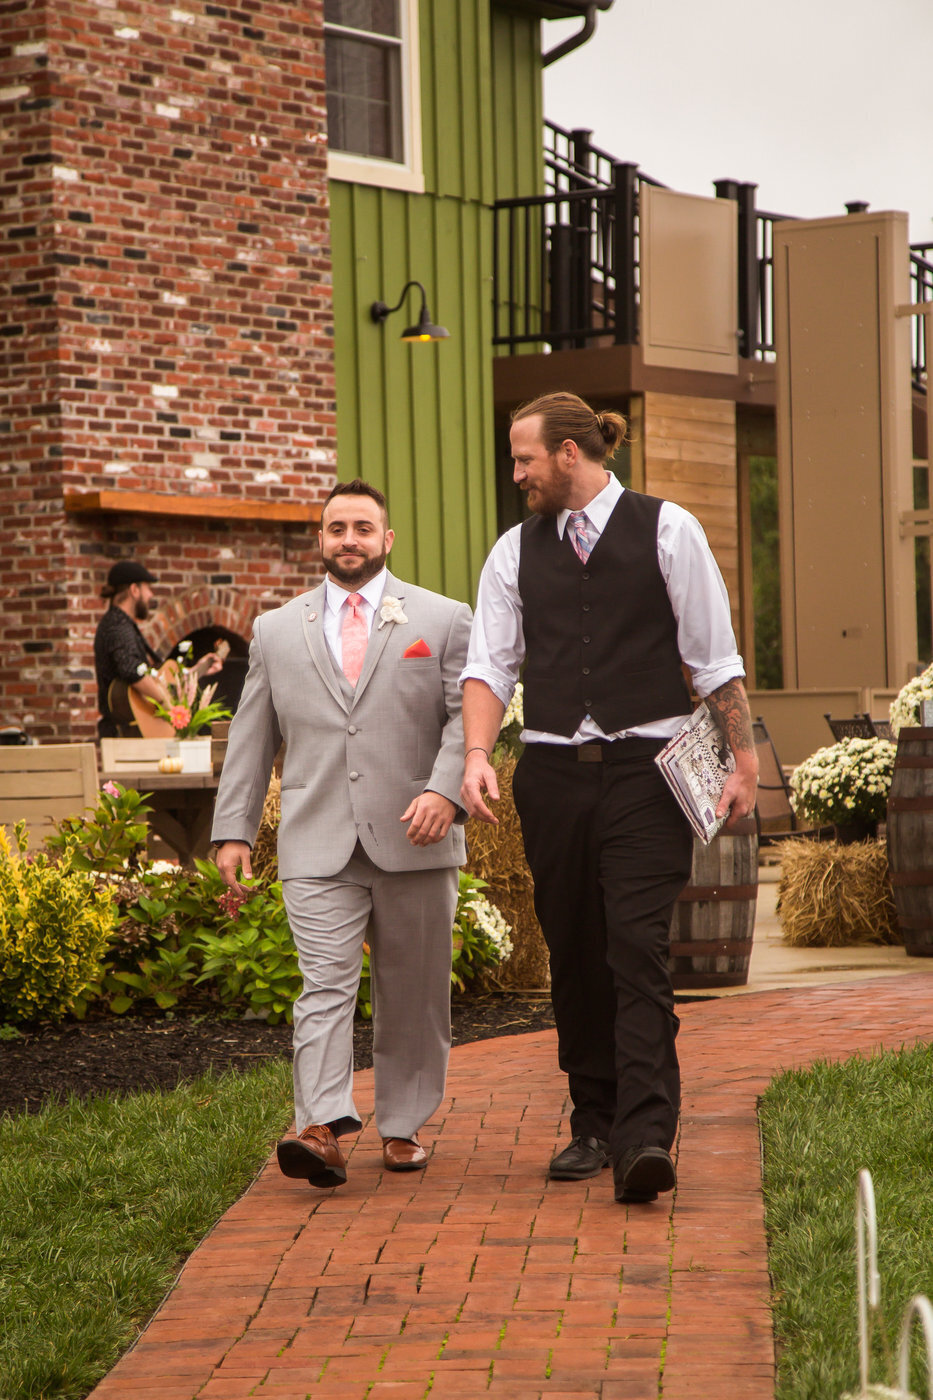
(845, 782)
(907, 706)
(190, 708)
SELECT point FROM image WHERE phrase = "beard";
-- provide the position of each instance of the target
(550, 496)
(141, 609)
(353, 569)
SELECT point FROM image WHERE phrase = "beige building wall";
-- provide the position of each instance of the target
(685, 451)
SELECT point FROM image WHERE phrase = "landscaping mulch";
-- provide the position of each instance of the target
(122, 1056)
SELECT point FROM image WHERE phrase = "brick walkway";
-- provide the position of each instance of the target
(478, 1277)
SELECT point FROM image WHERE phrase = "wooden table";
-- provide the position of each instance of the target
(182, 807)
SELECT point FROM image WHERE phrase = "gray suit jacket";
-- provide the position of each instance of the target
(354, 760)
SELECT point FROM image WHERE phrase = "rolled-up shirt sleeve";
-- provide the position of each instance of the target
(699, 600)
(497, 641)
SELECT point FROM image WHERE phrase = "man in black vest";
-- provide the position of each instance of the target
(605, 595)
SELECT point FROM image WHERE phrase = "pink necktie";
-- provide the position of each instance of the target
(576, 528)
(354, 636)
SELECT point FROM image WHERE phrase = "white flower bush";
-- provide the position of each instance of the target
(480, 934)
(845, 782)
(515, 710)
(907, 707)
(490, 923)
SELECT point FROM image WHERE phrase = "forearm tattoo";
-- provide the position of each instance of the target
(729, 706)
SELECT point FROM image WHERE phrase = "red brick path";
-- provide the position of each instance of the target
(480, 1278)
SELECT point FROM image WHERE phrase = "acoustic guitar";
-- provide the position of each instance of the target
(128, 707)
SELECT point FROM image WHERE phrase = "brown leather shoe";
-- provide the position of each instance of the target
(313, 1156)
(403, 1154)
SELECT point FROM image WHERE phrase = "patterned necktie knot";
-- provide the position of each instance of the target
(577, 524)
(354, 637)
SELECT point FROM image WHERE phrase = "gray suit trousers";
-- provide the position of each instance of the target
(406, 918)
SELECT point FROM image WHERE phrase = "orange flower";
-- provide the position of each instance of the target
(179, 716)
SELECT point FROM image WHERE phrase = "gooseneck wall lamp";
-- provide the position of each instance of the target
(425, 329)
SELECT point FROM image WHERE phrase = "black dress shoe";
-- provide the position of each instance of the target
(641, 1172)
(586, 1156)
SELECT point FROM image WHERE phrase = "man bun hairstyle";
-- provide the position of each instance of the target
(598, 435)
(358, 487)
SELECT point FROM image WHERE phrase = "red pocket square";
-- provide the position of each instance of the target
(418, 648)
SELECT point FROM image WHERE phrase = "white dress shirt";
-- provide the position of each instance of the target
(335, 598)
(694, 586)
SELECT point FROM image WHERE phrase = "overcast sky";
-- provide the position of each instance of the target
(818, 101)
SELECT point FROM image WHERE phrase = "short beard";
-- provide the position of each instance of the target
(141, 609)
(551, 497)
(354, 571)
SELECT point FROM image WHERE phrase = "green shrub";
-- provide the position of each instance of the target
(112, 837)
(54, 928)
(249, 954)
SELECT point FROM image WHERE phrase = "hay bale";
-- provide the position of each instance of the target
(833, 896)
(497, 855)
(265, 858)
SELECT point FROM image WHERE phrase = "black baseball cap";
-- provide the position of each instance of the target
(127, 571)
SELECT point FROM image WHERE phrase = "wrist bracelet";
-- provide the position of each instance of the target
(477, 748)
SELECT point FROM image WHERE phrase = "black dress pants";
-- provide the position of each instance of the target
(609, 850)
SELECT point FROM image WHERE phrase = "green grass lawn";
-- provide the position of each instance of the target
(820, 1128)
(100, 1202)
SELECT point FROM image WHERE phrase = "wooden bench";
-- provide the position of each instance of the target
(43, 783)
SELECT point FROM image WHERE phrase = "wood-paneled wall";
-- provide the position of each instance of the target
(688, 451)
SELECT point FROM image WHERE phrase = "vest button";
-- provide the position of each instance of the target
(352, 729)
(586, 607)
(586, 639)
(587, 703)
(353, 777)
(584, 575)
(586, 672)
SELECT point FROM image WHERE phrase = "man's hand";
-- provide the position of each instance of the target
(479, 777)
(209, 664)
(739, 795)
(430, 817)
(229, 858)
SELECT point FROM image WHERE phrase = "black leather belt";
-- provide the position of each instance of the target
(602, 750)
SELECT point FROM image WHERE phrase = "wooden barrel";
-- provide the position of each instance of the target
(910, 839)
(714, 918)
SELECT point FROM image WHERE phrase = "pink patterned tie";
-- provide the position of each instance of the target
(354, 637)
(577, 530)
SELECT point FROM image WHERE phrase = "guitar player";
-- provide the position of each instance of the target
(121, 650)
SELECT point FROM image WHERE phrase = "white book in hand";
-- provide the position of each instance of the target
(696, 764)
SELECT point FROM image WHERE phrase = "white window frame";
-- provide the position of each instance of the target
(389, 174)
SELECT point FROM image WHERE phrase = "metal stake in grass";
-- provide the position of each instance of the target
(869, 1297)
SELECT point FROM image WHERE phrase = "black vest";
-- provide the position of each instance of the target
(600, 638)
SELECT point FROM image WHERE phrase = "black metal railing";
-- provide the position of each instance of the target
(567, 263)
(921, 291)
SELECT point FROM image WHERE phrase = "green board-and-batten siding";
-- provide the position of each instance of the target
(417, 420)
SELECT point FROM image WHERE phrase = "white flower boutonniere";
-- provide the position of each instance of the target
(391, 611)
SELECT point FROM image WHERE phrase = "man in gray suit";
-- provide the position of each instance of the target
(359, 679)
